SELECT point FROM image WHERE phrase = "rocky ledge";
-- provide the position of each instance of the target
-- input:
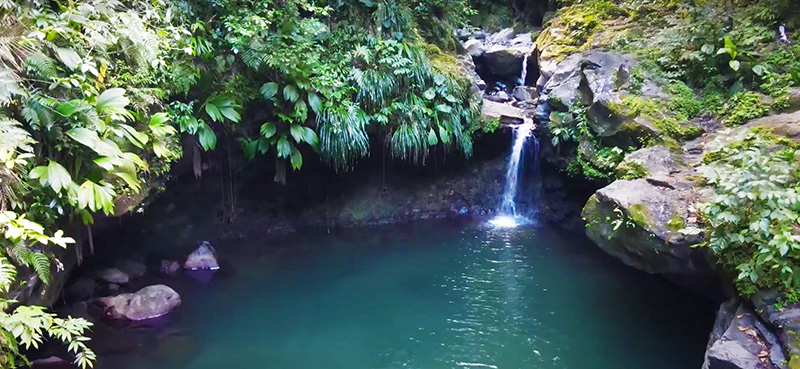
(648, 223)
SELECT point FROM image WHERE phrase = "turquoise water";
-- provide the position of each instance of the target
(430, 295)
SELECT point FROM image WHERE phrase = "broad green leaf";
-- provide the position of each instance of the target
(130, 179)
(69, 108)
(444, 108)
(759, 69)
(310, 137)
(291, 93)
(314, 102)
(158, 125)
(68, 56)
(429, 94)
(734, 64)
(438, 79)
(284, 147)
(113, 102)
(135, 137)
(268, 90)
(208, 139)
(249, 147)
(444, 135)
(90, 139)
(268, 130)
(54, 175)
(297, 132)
(160, 149)
(219, 107)
(297, 158)
(432, 140)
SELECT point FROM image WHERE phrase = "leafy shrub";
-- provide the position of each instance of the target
(752, 216)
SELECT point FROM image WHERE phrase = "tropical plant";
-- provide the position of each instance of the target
(752, 216)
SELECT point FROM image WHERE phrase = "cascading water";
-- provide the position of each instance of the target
(524, 74)
(508, 216)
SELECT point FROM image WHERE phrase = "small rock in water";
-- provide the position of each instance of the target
(501, 96)
(204, 258)
(169, 267)
(112, 275)
(132, 268)
(52, 362)
(148, 303)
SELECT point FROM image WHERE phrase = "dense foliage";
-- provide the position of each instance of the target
(753, 213)
(95, 96)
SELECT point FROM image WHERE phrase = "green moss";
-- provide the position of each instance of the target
(744, 106)
(672, 129)
(581, 22)
(676, 223)
(631, 169)
(639, 214)
(781, 103)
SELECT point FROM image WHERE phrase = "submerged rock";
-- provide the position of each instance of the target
(52, 362)
(79, 290)
(148, 303)
(132, 268)
(741, 340)
(204, 258)
(170, 267)
(112, 275)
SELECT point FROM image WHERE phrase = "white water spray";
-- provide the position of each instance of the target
(508, 216)
(524, 69)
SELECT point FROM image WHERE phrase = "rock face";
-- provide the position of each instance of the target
(785, 321)
(640, 222)
(204, 258)
(741, 340)
(499, 57)
(148, 303)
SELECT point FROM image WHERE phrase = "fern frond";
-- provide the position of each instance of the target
(42, 65)
(40, 263)
(13, 137)
(7, 274)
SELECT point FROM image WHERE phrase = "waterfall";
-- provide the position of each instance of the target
(524, 70)
(508, 216)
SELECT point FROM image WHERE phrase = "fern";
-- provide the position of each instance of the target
(42, 65)
(7, 274)
(40, 264)
(38, 261)
(13, 137)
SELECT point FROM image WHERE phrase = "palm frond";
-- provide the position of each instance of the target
(7, 274)
(13, 137)
(42, 65)
(342, 136)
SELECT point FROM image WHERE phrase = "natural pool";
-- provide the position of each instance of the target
(437, 294)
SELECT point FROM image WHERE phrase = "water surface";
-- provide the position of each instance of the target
(430, 295)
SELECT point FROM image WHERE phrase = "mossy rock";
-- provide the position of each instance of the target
(631, 220)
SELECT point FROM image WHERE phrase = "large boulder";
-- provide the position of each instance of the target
(203, 258)
(644, 222)
(148, 303)
(503, 63)
(741, 340)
